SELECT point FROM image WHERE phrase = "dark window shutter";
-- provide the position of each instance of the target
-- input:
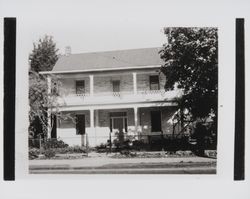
(110, 125)
(126, 125)
(156, 121)
(80, 124)
(54, 128)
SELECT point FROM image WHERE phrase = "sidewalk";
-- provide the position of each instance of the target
(106, 162)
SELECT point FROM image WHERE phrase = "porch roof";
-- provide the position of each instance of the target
(118, 106)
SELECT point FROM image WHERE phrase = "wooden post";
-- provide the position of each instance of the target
(91, 85)
(96, 125)
(110, 142)
(87, 144)
(136, 120)
(92, 127)
(82, 140)
(135, 83)
(91, 118)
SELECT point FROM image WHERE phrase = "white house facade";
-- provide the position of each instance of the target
(113, 95)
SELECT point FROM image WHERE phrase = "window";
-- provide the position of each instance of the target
(154, 82)
(80, 124)
(80, 87)
(116, 86)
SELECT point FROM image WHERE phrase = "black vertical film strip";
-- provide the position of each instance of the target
(9, 97)
(239, 145)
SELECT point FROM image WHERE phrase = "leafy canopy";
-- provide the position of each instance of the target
(191, 64)
(44, 54)
(42, 58)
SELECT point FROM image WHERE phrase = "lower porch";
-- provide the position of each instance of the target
(95, 127)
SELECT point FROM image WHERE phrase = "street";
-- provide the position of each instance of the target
(188, 165)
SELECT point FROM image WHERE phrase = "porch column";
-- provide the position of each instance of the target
(135, 83)
(49, 108)
(136, 120)
(83, 140)
(91, 84)
(96, 125)
(91, 134)
(91, 118)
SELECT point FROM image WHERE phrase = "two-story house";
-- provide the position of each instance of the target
(113, 93)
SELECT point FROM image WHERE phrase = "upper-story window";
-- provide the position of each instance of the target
(116, 86)
(80, 87)
(154, 82)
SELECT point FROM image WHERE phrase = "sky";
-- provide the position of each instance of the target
(95, 25)
(90, 26)
(94, 35)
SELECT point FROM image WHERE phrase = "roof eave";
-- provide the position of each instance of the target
(100, 69)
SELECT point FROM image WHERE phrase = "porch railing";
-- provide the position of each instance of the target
(123, 96)
(123, 93)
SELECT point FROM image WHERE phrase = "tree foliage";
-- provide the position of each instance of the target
(40, 103)
(44, 103)
(44, 54)
(191, 64)
(42, 58)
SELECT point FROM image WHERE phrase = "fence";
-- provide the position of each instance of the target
(169, 142)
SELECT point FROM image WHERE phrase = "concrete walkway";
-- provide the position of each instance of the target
(106, 164)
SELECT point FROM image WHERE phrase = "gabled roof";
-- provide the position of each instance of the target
(108, 60)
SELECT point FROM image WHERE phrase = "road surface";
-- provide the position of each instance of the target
(125, 166)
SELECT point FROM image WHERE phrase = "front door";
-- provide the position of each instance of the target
(118, 125)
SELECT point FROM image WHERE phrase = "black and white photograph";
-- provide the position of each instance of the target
(124, 99)
(144, 110)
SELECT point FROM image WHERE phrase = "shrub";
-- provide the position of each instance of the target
(123, 144)
(102, 146)
(54, 143)
(73, 149)
(33, 153)
(169, 143)
(127, 153)
(49, 153)
(34, 143)
(76, 149)
(139, 145)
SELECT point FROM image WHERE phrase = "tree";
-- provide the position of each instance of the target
(40, 101)
(44, 54)
(43, 58)
(44, 103)
(191, 64)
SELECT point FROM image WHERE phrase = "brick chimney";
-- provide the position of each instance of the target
(67, 50)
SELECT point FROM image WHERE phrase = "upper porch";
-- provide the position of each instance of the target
(113, 87)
